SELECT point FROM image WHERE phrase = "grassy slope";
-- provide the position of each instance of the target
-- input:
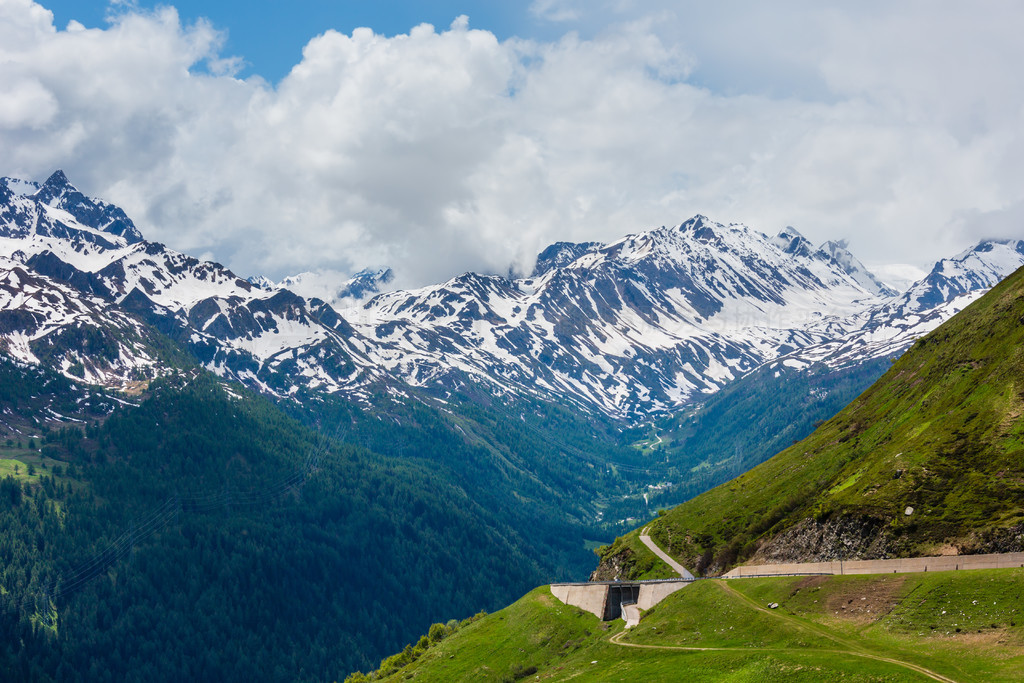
(822, 631)
(940, 432)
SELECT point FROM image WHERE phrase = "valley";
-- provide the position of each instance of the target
(741, 342)
(555, 340)
(925, 462)
(489, 431)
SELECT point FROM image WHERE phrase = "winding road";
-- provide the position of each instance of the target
(676, 567)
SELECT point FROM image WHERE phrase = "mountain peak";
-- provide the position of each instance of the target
(790, 232)
(55, 188)
(790, 241)
(695, 223)
(261, 282)
(332, 287)
(58, 178)
(1006, 245)
(365, 283)
(59, 193)
(561, 254)
(837, 252)
(701, 228)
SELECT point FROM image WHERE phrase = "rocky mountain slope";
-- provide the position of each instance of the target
(889, 328)
(651, 322)
(637, 326)
(78, 263)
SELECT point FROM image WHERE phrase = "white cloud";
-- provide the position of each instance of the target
(556, 10)
(433, 152)
(26, 104)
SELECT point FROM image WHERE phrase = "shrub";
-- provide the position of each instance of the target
(437, 632)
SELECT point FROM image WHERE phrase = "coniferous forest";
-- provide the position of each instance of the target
(244, 557)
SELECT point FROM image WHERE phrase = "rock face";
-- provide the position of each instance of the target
(865, 538)
(614, 567)
(1006, 540)
(845, 538)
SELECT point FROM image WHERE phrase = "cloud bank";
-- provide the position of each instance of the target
(440, 151)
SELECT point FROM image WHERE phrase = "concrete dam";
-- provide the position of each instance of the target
(608, 600)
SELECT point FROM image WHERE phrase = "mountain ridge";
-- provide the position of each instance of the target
(634, 328)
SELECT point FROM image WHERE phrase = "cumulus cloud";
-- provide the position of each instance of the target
(439, 151)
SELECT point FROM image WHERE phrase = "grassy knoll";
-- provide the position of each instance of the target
(952, 626)
(537, 630)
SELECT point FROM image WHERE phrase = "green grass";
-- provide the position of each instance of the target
(968, 625)
(537, 630)
(653, 443)
(940, 432)
(846, 484)
(807, 638)
(15, 463)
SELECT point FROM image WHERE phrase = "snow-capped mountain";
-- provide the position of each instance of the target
(642, 325)
(838, 252)
(91, 255)
(331, 287)
(654, 320)
(888, 329)
(639, 325)
(43, 321)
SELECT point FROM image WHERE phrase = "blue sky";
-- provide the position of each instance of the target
(270, 34)
(277, 137)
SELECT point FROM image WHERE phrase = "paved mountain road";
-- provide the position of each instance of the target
(676, 567)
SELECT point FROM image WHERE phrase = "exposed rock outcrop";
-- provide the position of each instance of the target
(842, 538)
(1005, 540)
(614, 566)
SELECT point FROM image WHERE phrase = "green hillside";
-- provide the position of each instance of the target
(951, 626)
(930, 456)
